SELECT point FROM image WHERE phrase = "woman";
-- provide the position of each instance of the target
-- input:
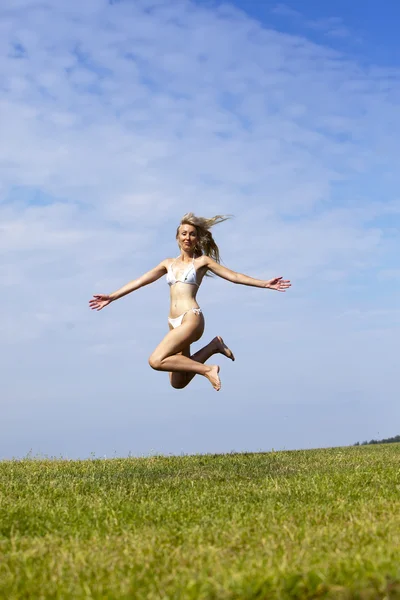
(198, 254)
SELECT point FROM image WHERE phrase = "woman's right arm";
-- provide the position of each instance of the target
(99, 301)
(145, 279)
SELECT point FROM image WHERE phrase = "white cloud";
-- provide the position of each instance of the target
(123, 117)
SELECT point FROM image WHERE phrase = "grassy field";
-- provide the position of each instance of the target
(304, 524)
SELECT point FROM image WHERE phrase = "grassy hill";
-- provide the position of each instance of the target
(303, 524)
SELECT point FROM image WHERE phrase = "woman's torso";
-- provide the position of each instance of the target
(184, 280)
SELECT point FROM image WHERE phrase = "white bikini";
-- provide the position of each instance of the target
(191, 279)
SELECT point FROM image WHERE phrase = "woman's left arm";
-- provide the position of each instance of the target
(277, 283)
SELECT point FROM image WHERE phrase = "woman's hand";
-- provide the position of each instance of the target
(99, 301)
(278, 284)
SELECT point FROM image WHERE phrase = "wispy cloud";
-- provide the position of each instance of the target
(285, 11)
(331, 26)
(117, 118)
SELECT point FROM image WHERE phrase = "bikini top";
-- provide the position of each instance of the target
(190, 275)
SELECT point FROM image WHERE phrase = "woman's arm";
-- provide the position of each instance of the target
(100, 301)
(145, 279)
(277, 283)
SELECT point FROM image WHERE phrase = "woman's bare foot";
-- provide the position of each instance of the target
(213, 377)
(222, 348)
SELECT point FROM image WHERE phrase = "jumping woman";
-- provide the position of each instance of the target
(198, 254)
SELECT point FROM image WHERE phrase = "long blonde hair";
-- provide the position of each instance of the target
(206, 243)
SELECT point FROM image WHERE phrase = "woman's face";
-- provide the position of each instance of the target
(187, 237)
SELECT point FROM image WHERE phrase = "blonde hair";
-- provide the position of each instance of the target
(206, 243)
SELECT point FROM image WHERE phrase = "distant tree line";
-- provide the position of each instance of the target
(391, 440)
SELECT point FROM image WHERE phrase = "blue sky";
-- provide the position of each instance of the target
(119, 118)
(367, 30)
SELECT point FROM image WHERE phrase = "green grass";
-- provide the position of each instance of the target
(304, 524)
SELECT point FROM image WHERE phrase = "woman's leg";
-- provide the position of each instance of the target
(216, 346)
(166, 358)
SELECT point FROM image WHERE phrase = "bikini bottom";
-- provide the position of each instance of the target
(178, 320)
